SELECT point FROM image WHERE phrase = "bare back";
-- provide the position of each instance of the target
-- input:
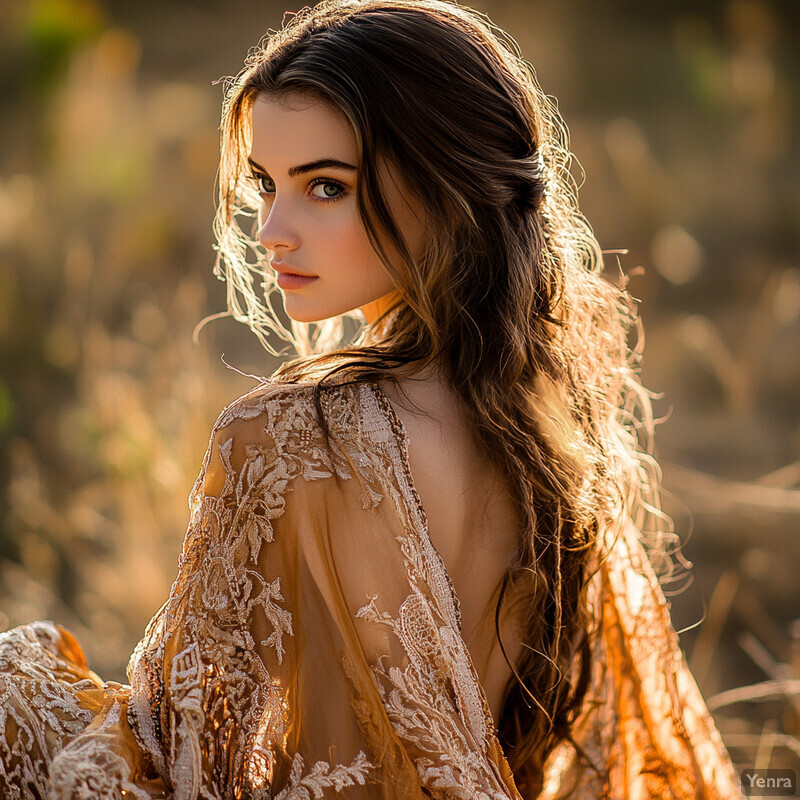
(471, 520)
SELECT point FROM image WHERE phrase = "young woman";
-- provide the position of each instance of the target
(414, 566)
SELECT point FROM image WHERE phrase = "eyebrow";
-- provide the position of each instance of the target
(302, 169)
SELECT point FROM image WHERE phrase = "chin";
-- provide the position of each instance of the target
(316, 315)
(310, 316)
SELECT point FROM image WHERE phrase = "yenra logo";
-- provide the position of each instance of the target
(768, 782)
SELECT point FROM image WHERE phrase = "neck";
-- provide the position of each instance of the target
(373, 310)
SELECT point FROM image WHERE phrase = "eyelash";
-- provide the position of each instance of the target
(257, 178)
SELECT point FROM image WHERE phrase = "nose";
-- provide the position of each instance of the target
(275, 228)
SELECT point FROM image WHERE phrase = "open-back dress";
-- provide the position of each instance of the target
(311, 647)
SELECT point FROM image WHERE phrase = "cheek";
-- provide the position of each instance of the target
(346, 245)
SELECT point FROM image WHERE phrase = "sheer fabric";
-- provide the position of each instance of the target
(311, 646)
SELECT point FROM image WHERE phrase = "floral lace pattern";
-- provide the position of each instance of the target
(38, 688)
(265, 674)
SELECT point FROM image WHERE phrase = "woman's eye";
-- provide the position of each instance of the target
(264, 184)
(327, 185)
(329, 190)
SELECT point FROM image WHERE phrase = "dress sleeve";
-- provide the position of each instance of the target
(305, 654)
(246, 667)
(644, 730)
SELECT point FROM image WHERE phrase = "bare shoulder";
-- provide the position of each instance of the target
(466, 497)
(429, 411)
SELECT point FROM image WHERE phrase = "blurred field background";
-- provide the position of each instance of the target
(684, 116)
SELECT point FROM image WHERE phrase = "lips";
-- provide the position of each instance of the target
(288, 281)
(285, 269)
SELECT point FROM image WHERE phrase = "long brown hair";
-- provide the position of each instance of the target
(508, 301)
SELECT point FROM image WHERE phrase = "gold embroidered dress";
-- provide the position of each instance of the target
(311, 647)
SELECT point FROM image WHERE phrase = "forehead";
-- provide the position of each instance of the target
(296, 129)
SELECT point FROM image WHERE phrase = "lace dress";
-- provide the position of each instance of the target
(311, 646)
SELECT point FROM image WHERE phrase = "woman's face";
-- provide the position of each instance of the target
(303, 154)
